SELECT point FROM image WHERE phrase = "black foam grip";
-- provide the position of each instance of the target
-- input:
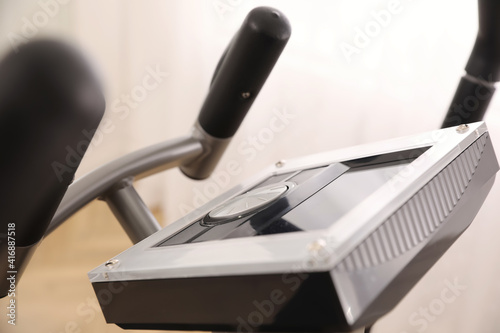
(484, 61)
(243, 70)
(50, 107)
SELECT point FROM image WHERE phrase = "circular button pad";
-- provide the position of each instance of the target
(247, 203)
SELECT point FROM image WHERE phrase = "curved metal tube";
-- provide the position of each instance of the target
(139, 164)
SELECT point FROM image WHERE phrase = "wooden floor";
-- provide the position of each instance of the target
(54, 294)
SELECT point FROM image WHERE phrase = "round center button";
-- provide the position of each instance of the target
(248, 202)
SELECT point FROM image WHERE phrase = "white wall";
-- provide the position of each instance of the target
(399, 84)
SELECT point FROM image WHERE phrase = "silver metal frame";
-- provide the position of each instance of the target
(196, 155)
(292, 252)
(139, 164)
(132, 213)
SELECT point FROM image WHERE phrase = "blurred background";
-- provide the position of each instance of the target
(341, 81)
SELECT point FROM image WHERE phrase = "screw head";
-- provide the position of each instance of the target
(112, 263)
(280, 163)
(317, 246)
(246, 94)
(319, 253)
(462, 128)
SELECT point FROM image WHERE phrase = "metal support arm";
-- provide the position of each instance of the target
(138, 164)
(132, 213)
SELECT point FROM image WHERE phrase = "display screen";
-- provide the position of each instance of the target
(316, 199)
(341, 196)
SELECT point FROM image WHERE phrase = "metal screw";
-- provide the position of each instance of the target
(462, 128)
(317, 246)
(275, 14)
(112, 263)
(245, 95)
(280, 164)
(106, 276)
(318, 252)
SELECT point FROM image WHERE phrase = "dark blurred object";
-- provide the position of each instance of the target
(50, 107)
(476, 88)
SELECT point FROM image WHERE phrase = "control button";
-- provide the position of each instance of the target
(248, 202)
